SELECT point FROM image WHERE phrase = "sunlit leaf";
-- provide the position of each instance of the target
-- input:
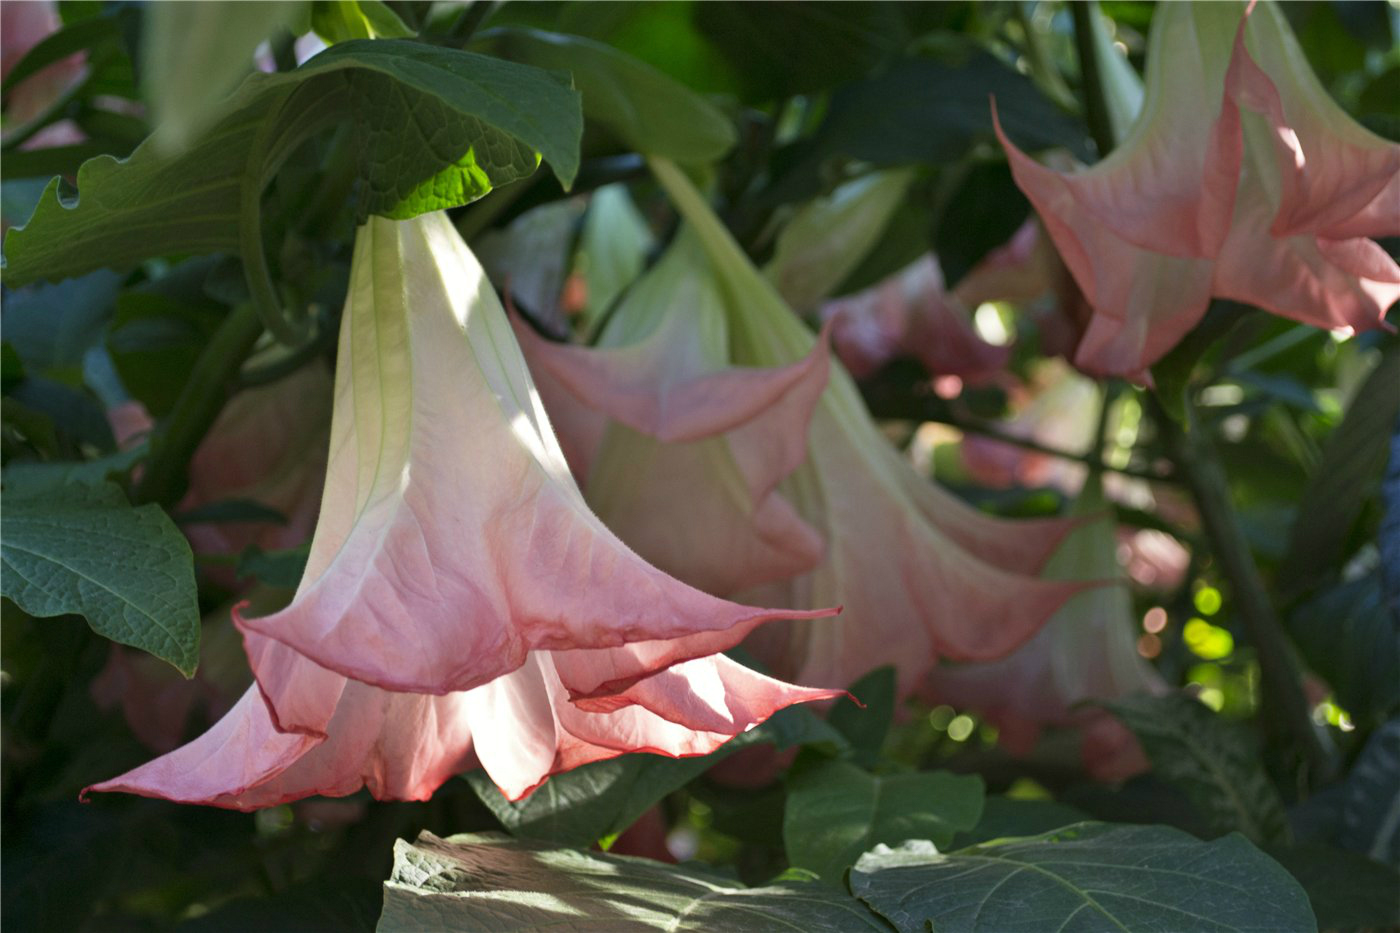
(1091, 876)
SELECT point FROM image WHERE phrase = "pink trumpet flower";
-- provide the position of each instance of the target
(655, 417)
(460, 603)
(921, 574)
(1269, 200)
(1087, 651)
(911, 314)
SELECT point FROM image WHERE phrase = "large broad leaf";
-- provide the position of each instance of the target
(598, 800)
(647, 110)
(837, 811)
(1344, 479)
(492, 882)
(83, 549)
(434, 128)
(1209, 760)
(1087, 877)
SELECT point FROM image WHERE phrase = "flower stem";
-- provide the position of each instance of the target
(201, 400)
(1197, 462)
(1090, 77)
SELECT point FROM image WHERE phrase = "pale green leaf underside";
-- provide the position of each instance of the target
(491, 882)
(128, 571)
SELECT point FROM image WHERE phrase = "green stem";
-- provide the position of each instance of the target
(200, 402)
(1090, 77)
(1195, 458)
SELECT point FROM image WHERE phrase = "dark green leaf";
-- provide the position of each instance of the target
(1087, 877)
(128, 571)
(597, 800)
(1371, 805)
(435, 128)
(1388, 538)
(647, 110)
(491, 882)
(26, 479)
(1207, 758)
(983, 214)
(1347, 635)
(837, 811)
(275, 568)
(1003, 817)
(865, 727)
(1344, 479)
(786, 49)
(1347, 889)
(929, 110)
(53, 326)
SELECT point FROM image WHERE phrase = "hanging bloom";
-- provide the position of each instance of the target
(911, 313)
(921, 574)
(678, 452)
(23, 26)
(1268, 197)
(1087, 651)
(460, 601)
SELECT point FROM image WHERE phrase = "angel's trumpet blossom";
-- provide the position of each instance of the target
(1240, 179)
(679, 452)
(1087, 651)
(921, 574)
(452, 538)
(460, 603)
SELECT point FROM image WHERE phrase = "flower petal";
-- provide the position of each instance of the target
(453, 540)
(1338, 180)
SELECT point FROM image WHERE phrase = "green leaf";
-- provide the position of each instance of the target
(1003, 817)
(1344, 479)
(1348, 636)
(1208, 759)
(490, 882)
(1087, 877)
(154, 342)
(1348, 891)
(275, 568)
(342, 20)
(934, 110)
(597, 800)
(193, 54)
(434, 128)
(647, 110)
(865, 727)
(837, 811)
(82, 549)
(54, 326)
(30, 479)
(1371, 805)
(982, 214)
